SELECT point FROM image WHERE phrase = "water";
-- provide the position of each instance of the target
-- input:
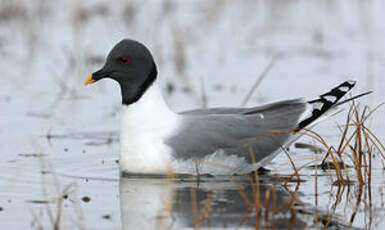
(59, 140)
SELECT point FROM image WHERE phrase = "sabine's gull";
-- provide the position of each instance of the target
(155, 140)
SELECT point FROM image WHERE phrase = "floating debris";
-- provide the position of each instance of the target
(32, 155)
(330, 165)
(39, 115)
(313, 148)
(39, 201)
(170, 87)
(260, 171)
(107, 217)
(86, 199)
(343, 182)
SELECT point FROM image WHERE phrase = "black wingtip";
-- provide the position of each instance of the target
(326, 101)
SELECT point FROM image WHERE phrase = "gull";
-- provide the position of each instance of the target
(219, 141)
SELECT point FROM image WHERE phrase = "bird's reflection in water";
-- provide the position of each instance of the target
(156, 203)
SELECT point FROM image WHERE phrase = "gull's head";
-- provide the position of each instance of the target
(131, 64)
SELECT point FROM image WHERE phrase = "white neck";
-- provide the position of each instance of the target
(150, 104)
(145, 126)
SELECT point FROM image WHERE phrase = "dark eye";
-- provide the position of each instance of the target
(124, 60)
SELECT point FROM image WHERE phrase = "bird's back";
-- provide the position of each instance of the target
(235, 130)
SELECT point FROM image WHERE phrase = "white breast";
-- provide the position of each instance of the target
(145, 126)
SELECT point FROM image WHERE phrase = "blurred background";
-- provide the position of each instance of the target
(209, 53)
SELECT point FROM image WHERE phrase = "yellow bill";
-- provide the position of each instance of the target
(89, 80)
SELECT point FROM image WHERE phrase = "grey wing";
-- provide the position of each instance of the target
(230, 129)
(234, 111)
(214, 111)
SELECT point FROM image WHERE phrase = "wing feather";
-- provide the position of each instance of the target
(231, 130)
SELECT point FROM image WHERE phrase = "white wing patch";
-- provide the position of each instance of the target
(344, 88)
(330, 98)
(317, 105)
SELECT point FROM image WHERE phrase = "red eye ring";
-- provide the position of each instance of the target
(124, 60)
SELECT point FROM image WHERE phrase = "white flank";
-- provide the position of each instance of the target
(145, 126)
(217, 163)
